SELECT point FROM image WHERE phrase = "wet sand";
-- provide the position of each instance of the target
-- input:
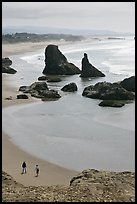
(12, 155)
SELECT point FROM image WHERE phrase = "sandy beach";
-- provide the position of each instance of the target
(13, 156)
(18, 48)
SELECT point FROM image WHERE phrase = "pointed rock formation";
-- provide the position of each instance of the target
(88, 70)
(56, 63)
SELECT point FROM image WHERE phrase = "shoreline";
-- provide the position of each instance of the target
(12, 155)
(9, 49)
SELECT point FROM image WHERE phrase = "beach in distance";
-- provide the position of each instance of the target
(73, 133)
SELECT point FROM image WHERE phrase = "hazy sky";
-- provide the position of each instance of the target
(115, 16)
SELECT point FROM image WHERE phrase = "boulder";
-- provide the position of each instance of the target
(22, 96)
(129, 83)
(51, 95)
(40, 90)
(112, 103)
(39, 86)
(88, 70)
(42, 78)
(24, 89)
(36, 86)
(70, 87)
(45, 94)
(56, 63)
(107, 91)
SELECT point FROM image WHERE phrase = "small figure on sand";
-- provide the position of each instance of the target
(37, 170)
(24, 167)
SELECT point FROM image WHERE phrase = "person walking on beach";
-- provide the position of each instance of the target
(24, 167)
(37, 170)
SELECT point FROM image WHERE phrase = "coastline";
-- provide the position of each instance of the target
(12, 155)
(23, 47)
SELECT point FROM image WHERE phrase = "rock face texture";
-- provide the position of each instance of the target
(108, 91)
(89, 186)
(129, 83)
(56, 63)
(70, 87)
(40, 90)
(6, 62)
(88, 70)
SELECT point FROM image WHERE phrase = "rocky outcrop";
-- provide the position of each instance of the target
(108, 91)
(42, 78)
(56, 63)
(40, 90)
(88, 70)
(129, 83)
(106, 186)
(6, 62)
(36, 86)
(89, 186)
(112, 103)
(22, 96)
(71, 87)
(51, 95)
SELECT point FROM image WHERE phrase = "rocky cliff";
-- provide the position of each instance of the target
(89, 186)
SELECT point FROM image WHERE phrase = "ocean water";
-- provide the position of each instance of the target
(74, 131)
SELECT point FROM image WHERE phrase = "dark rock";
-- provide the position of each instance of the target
(45, 94)
(39, 90)
(56, 63)
(54, 79)
(108, 91)
(36, 89)
(42, 78)
(24, 89)
(39, 86)
(51, 95)
(129, 83)
(70, 87)
(8, 70)
(112, 103)
(22, 96)
(88, 70)
(6, 62)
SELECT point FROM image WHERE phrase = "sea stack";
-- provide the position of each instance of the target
(88, 70)
(57, 64)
